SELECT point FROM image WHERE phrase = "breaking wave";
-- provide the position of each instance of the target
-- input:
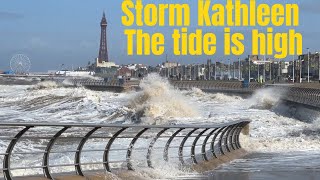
(270, 99)
(158, 101)
(217, 97)
(45, 85)
(265, 98)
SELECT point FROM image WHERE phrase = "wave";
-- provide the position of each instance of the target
(266, 98)
(217, 97)
(45, 85)
(270, 99)
(159, 101)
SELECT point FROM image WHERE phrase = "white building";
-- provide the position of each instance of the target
(104, 64)
(74, 73)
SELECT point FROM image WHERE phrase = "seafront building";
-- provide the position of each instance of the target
(254, 67)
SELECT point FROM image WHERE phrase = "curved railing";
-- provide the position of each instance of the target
(39, 148)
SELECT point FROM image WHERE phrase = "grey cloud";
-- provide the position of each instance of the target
(310, 7)
(10, 15)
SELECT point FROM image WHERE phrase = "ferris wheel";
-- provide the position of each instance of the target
(20, 64)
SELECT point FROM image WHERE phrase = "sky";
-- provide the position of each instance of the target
(55, 32)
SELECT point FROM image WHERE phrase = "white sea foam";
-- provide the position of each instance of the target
(158, 100)
(45, 85)
(265, 98)
(271, 130)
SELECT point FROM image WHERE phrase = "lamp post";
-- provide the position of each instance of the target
(229, 70)
(221, 71)
(239, 68)
(270, 73)
(308, 65)
(234, 70)
(264, 69)
(279, 70)
(215, 70)
(300, 69)
(249, 68)
(258, 72)
(293, 67)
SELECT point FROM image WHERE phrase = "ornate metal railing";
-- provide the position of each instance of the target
(39, 148)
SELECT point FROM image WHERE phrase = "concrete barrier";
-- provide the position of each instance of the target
(309, 95)
(217, 86)
(300, 95)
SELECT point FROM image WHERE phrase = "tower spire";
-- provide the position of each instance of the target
(103, 51)
(104, 19)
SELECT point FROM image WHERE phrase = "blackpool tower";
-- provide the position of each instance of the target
(103, 51)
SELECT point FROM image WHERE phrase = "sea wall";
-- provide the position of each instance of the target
(305, 94)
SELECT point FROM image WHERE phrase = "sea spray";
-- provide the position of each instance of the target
(217, 97)
(265, 98)
(270, 99)
(45, 85)
(159, 100)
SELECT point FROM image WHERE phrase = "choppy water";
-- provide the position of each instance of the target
(278, 142)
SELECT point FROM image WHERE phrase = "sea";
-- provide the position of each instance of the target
(283, 143)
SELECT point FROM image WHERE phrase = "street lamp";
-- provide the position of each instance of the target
(279, 70)
(258, 72)
(308, 65)
(234, 70)
(300, 68)
(293, 68)
(270, 67)
(229, 70)
(249, 68)
(239, 68)
(264, 69)
(215, 70)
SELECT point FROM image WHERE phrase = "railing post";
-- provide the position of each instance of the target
(107, 149)
(77, 161)
(226, 139)
(237, 135)
(180, 153)
(214, 140)
(45, 163)
(193, 154)
(6, 160)
(166, 148)
(204, 144)
(151, 146)
(130, 148)
(231, 137)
